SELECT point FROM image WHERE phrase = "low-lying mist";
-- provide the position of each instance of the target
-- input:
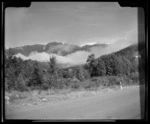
(78, 57)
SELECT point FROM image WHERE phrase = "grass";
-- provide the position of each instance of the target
(84, 88)
(34, 97)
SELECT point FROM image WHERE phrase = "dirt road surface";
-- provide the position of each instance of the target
(116, 104)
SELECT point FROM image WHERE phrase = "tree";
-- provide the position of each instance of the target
(21, 83)
(94, 69)
(12, 71)
(80, 73)
(108, 64)
(36, 78)
(127, 66)
(101, 69)
(53, 72)
(10, 78)
(91, 63)
(52, 65)
(91, 58)
(9, 53)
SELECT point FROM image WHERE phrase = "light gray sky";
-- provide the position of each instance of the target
(70, 22)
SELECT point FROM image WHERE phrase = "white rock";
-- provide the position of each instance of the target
(17, 95)
(44, 99)
(7, 98)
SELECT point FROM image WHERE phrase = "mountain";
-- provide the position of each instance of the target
(129, 52)
(58, 48)
(25, 50)
(128, 56)
(68, 55)
(88, 47)
(124, 61)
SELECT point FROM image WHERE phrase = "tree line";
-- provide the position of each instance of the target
(24, 75)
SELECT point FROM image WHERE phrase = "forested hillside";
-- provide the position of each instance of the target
(103, 71)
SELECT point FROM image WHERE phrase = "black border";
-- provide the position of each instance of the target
(142, 28)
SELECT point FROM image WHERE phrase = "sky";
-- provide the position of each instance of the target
(70, 22)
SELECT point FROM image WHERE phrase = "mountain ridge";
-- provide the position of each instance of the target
(58, 48)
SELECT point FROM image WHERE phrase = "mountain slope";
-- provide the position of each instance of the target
(58, 48)
(129, 54)
(88, 47)
(25, 50)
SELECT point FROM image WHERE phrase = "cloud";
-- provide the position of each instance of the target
(61, 48)
(78, 57)
(42, 57)
(62, 59)
(19, 55)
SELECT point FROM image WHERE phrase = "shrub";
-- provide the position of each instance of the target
(113, 80)
(20, 84)
(100, 81)
(45, 86)
(75, 86)
(134, 77)
(85, 84)
(103, 81)
(14, 95)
